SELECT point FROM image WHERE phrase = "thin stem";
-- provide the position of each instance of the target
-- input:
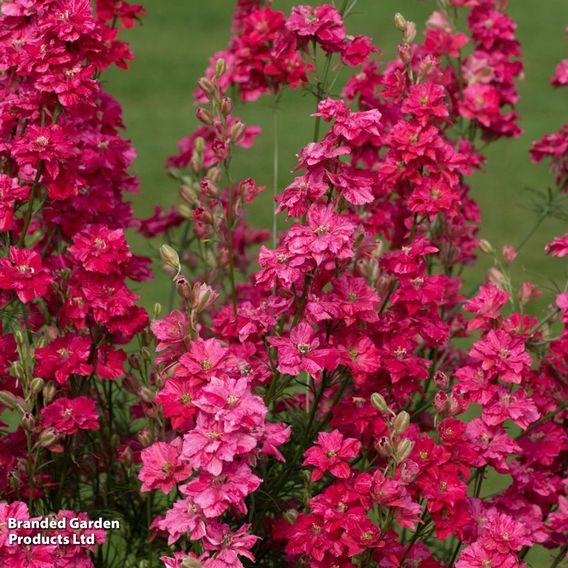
(533, 230)
(559, 557)
(230, 223)
(30, 209)
(544, 419)
(274, 171)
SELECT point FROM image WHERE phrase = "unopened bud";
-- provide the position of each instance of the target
(401, 422)
(237, 131)
(384, 447)
(496, 277)
(226, 106)
(48, 393)
(125, 455)
(36, 385)
(528, 292)
(290, 516)
(509, 254)
(441, 380)
(209, 188)
(145, 437)
(18, 370)
(19, 337)
(47, 438)
(201, 296)
(146, 394)
(379, 402)
(206, 85)
(220, 68)
(405, 53)
(170, 256)
(8, 400)
(204, 116)
(157, 310)
(486, 247)
(409, 34)
(199, 145)
(135, 360)
(188, 194)
(185, 211)
(399, 22)
(403, 450)
(214, 174)
(189, 562)
(27, 421)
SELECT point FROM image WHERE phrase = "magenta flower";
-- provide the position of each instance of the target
(332, 452)
(503, 354)
(63, 357)
(163, 466)
(301, 352)
(24, 273)
(68, 416)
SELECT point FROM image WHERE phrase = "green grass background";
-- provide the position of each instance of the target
(177, 38)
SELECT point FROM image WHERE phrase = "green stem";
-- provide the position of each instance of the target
(559, 557)
(274, 171)
(544, 419)
(30, 209)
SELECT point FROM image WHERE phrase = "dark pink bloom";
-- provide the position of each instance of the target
(331, 452)
(24, 273)
(163, 466)
(63, 357)
(302, 352)
(68, 416)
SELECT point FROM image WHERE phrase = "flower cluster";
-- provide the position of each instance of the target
(67, 309)
(348, 328)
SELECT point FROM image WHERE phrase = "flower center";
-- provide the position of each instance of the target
(303, 348)
(42, 140)
(322, 229)
(206, 364)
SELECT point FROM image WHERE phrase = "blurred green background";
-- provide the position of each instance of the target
(172, 48)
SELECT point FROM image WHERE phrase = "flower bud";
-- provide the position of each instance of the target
(486, 247)
(204, 115)
(125, 455)
(18, 370)
(201, 296)
(199, 146)
(403, 450)
(496, 277)
(384, 447)
(399, 22)
(188, 194)
(170, 256)
(405, 53)
(209, 188)
(157, 310)
(237, 131)
(409, 34)
(27, 421)
(226, 106)
(146, 394)
(145, 437)
(185, 211)
(47, 437)
(36, 385)
(49, 391)
(135, 361)
(189, 562)
(146, 354)
(206, 85)
(401, 422)
(379, 402)
(220, 67)
(509, 254)
(8, 400)
(528, 292)
(441, 380)
(19, 337)
(214, 174)
(290, 516)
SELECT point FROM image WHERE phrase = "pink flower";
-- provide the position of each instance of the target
(487, 304)
(332, 453)
(322, 24)
(214, 494)
(63, 357)
(68, 416)
(24, 273)
(228, 546)
(205, 358)
(163, 466)
(301, 352)
(99, 249)
(477, 556)
(559, 246)
(327, 235)
(425, 101)
(185, 517)
(502, 354)
(211, 444)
